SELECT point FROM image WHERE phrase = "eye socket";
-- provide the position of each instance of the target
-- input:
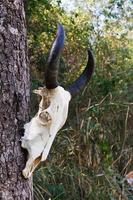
(45, 117)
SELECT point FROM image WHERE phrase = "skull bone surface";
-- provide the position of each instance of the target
(42, 129)
(53, 108)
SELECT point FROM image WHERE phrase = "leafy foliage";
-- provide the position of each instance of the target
(93, 152)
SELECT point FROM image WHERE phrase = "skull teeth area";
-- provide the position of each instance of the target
(29, 169)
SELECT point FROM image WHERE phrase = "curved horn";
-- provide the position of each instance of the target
(75, 87)
(51, 72)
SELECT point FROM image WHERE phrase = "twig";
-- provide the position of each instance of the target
(125, 130)
(98, 104)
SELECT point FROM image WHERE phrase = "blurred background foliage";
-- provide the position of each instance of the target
(93, 152)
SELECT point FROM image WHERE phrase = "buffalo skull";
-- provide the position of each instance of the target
(53, 109)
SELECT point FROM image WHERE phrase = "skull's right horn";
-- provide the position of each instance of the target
(51, 71)
(84, 78)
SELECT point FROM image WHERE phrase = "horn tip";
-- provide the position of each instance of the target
(90, 56)
(60, 30)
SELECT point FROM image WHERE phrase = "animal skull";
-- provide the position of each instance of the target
(42, 129)
(53, 108)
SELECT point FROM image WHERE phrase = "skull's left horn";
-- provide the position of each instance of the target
(51, 72)
(84, 78)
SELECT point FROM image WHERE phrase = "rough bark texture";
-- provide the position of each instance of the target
(14, 100)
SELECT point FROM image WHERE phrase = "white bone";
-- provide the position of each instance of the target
(41, 130)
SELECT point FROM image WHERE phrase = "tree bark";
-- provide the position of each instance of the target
(14, 100)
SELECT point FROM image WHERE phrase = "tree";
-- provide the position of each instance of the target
(14, 100)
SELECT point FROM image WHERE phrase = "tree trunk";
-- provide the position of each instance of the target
(14, 100)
